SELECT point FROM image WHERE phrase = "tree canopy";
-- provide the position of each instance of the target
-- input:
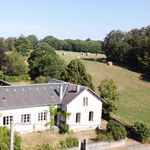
(10, 44)
(44, 61)
(75, 72)
(5, 65)
(108, 91)
(3, 58)
(33, 40)
(5, 140)
(23, 46)
(129, 48)
(82, 46)
(17, 63)
(52, 41)
(74, 45)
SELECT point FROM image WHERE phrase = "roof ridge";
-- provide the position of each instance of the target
(27, 85)
(69, 82)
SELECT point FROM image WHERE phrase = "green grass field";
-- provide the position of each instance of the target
(134, 103)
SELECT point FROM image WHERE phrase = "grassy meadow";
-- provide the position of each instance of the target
(134, 103)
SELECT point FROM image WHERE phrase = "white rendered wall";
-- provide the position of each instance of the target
(76, 106)
(34, 125)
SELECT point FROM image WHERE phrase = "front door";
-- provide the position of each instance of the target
(56, 120)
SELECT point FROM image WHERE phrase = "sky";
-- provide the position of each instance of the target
(71, 19)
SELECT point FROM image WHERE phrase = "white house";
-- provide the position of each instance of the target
(28, 105)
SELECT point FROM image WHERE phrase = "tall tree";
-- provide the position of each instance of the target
(52, 41)
(108, 91)
(23, 46)
(33, 40)
(19, 67)
(113, 45)
(10, 44)
(129, 48)
(3, 59)
(2, 43)
(5, 65)
(75, 72)
(44, 61)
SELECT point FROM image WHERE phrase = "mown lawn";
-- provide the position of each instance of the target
(134, 103)
(32, 139)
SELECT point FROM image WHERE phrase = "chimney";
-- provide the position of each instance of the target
(61, 91)
(78, 88)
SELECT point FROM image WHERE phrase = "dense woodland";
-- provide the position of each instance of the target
(26, 58)
(131, 49)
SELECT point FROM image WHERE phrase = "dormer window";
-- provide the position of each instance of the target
(85, 101)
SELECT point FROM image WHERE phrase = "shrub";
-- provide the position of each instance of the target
(64, 128)
(44, 147)
(116, 129)
(104, 136)
(41, 79)
(140, 132)
(1, 75)
(108, 91)
(16, 78)
(5, 139)
(69, 142)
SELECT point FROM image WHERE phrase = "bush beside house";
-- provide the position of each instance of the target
(5, 139)
(140, 132)
(115, 131)
(69, 142)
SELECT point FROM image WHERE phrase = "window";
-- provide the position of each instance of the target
(85, 101)
(91, 114)
(42, 116)
(78, 117)
(7, 120)
(25, 118)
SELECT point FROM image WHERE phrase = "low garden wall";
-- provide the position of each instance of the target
(102, 145)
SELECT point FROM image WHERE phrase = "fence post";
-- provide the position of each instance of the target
(79, 144)
(11, 135)
(86, 144)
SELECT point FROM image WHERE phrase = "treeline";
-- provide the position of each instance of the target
(129, 48)
(24, 44)
(74, 45)
(26, 58)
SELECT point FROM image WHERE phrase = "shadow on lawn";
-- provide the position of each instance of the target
(97, 131)
(101, 60)
(143, 76)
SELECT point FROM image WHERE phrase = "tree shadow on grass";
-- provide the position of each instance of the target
(97, 131)
(145, 78)
(101, 60)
